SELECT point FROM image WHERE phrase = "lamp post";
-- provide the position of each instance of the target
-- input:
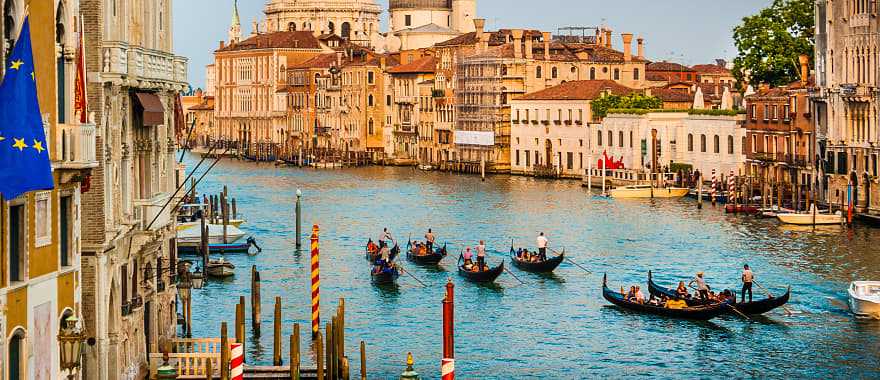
(71, 341)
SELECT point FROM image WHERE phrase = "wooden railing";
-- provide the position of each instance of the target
(190, 357)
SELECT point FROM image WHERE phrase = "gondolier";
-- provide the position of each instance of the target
(429, 240)
(542, 246)
(384, 236)
(481, 256)
(747, 278)
(702, 288)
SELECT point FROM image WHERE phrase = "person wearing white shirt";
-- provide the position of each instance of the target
(542, 246)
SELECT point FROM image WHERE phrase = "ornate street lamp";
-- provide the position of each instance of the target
(198, 279)
(71, 341)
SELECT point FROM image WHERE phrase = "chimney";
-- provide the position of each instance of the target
(479, 24)
(484, 41)
(528, 45)
(255, 29)
(546, 36)
(608, 38)
(222, 44)
(599, 37)
(382, 63)
(805, 67)
(627, 46)
(640, 47)
(517, 42)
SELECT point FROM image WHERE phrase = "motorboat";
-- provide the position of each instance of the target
(648, 191)
(192, 236)
(864, 299)
(811, 218)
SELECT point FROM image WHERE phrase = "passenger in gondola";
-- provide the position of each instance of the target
(631, 295)
(481, 256)
(519, 253)
(526, 256)
(372, 248)
(639, 297)
(468, 257)
(429, 240)
(682, 291)
(384, 252)
(702, 288)
(423, 249)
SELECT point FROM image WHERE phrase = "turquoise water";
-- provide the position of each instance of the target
(555, 326)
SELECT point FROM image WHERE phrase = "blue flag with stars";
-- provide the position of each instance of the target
(24, 158)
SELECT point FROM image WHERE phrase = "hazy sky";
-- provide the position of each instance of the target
(686, 31)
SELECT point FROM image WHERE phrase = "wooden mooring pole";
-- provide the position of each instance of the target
(255, 301)
(363, 361)
(294, 353)
(239, 333)
(319, 356)
(224, 353)
(276, 347)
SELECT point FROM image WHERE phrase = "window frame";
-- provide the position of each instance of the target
(43, 220)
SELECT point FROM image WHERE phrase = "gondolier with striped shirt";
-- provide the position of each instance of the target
(542, 246)
(747, 278)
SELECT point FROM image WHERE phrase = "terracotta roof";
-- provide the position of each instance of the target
(207, 104)
(579, 90)
(277, 40)
(320, 61)
(710, 69)
(672, 95)
(422, 65)
(655, 77)
(668, 66)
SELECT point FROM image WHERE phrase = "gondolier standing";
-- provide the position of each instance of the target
(702, 288)
(747, 278)
(542, 246)
(481, 256)
(385, 236)
(429, 241)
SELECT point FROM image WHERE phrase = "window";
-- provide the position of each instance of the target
(60, 63)
(370, 77)
(620, 139)
(630, 139)
(65, 231)
(636, 74)
(592, 73)
(610, 138)
(616, 74)
(754, 143)
(17, 243)
(407, 20)
(786, 112)
(569, 160)
(388, 100)
(690, 142)
(43, 217)
(370, 127)
(538, 72)
(370, 100)
(537, 158)
(717, 144)
(528, 159)
(703, 143)
(753, 110)
(554, 72)
(766, 112)
(729, 144)
(517, 157)
(580, 160)
(841, 163)
(774, 114)
(874, 165)
(599, 140)
(123, 275)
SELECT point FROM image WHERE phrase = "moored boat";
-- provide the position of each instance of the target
(691, 312)
(191, 235)
(647, 191)
(432, 258)
(220, 268)
(864, 299)
(810, 219)
(488, 275)
(731, 208)
(544, 266)
(754, 307)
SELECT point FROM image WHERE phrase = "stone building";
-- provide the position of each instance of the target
(363, 87)
(671, 72)
(354, 20)
(419, 24)
(846, 102)
(198, 112)
(412, 110)
(40, 278)
(128, 254)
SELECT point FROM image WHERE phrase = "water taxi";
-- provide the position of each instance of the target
(864, 299)
(646, 191)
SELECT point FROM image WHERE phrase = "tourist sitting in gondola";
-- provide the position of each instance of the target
(682, 290)
(372, 248)
(423, 249)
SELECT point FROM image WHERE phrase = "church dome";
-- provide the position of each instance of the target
(419, 4)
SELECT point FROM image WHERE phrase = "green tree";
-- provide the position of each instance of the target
(770, 42)
(632, 101)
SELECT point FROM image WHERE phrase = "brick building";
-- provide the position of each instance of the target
(670, 72)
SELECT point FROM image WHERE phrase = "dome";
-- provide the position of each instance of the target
(419, 4)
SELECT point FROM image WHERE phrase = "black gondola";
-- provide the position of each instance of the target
(545, 266)
(430, 259)
(750, 308)
(373, 257)
(488, 275)
(385, 276)
(702, 313)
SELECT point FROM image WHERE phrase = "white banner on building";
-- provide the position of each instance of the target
(474, 138)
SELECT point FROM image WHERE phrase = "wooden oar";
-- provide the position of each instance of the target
(514, 276)
(572, 261)
(738, 312)
(413, 276)
(787, 310)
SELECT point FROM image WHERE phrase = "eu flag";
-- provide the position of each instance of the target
(24, 158)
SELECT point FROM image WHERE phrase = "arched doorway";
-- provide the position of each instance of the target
(16, 355)
(548, 152)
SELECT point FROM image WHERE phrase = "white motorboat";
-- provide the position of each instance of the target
(864, 299)
(810, 218)
(192, 235)
(646, 191)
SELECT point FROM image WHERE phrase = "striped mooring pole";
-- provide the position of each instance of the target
(316, 282)
(714, 186)
(731, 188)
(236, 365)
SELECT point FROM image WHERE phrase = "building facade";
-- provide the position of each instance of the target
(128, 251)
(846, 102)
(412, 110)
(419, 24)
(354, 20)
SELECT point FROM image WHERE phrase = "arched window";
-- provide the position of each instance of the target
(291, 27)
(690, 142)
(331, 28)
(538, 72)
(635, 74)
(370, 127)
(592, 73)
(729, 144)
(370, 100)
(717, 144)
(346, 30)
(554, 72)
(703, 143)
(620, 139)
(9, 29)
(16, 355)
(616, 74)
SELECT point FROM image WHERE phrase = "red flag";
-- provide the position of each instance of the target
(80, 102)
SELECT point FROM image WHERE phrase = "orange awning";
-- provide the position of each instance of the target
(153, 111)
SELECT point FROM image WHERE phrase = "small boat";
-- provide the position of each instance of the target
(648, 191)
(220, 268)
(706, 312)
(809, 218)
(385, 275)
(237, 247)
(772, 212)
(488, 275)
(751, 308)
(432, 258)
(731, 208)
(191, 236)
(545, 266)
(864, 299)
(372, 258)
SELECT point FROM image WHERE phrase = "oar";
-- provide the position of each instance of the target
(787, 310)
(738, 312)
(514, 276)
(572, 261)
(413, 276)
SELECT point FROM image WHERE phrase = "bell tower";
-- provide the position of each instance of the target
(235, 28)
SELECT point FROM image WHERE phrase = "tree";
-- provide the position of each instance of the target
(770, 42)
(607, 102)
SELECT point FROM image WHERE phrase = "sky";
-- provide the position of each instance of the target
(685, 31)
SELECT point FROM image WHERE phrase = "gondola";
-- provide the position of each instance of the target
(702, 313)
(386, 276)
(485, 276)
(430, 259)
(372, 258)
(545, 266)
(749, 308)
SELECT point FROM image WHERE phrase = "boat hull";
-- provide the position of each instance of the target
(751, 308)
(545, 266)
(864, 308)
(659, 192)
(224, 269)
(482, 277)
(432, 259)
(807, 219)
(702, 313)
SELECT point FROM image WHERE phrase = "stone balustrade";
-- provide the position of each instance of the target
(75, 146)
(142, 67)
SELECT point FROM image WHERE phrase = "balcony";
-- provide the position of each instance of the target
(406, 100)
(855, 92)
(769, 157)
(148, 210)
(75, 146)
(136, 66)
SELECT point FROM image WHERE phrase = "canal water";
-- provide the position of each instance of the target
(556, 326)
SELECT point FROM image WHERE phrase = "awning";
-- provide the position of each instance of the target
(154, 113)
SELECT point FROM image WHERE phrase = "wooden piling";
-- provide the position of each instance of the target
(294, 353)
(234, 210)
(363, 361)
(255, 300)
(276, 347)
(319, 356)
(241, 332)
(330, 358)
(224, 214)
(224, 353)
(209, 370)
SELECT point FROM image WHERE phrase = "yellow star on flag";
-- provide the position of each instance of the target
(2, 138)
(38, 145)
(32, 76)
(16, 64)
(19, 143)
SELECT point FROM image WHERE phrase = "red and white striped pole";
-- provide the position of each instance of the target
(316, 282)
(236, 362)
(447, 364)
(731, 188)
(714, 186)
